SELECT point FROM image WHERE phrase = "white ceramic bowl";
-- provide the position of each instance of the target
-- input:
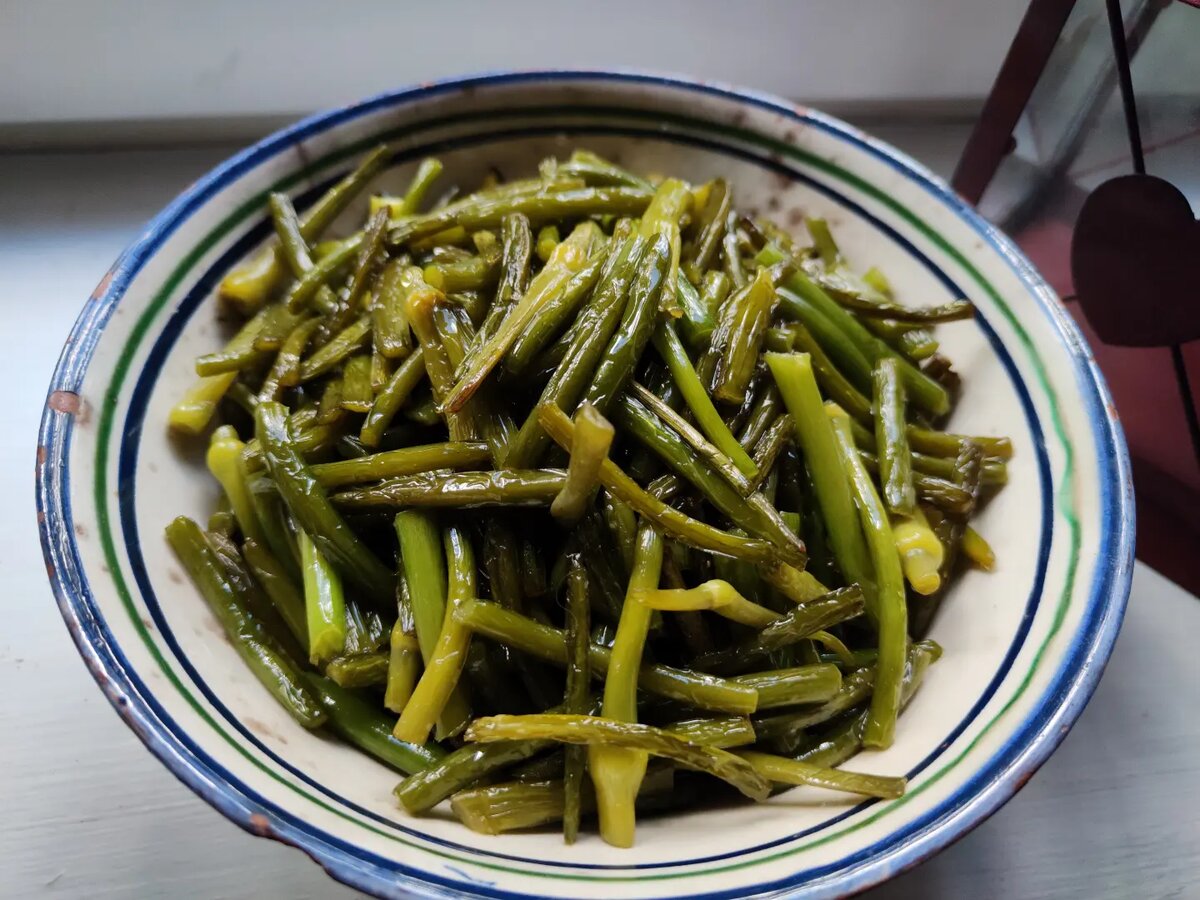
(1024, 645)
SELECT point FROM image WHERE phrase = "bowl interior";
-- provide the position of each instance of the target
(1016, 640)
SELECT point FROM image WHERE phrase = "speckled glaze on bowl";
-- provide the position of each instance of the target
(1025, 645)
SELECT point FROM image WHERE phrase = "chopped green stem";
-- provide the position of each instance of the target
(716, 595)
(554, 317)
(357, 395)
(941, 443)
(547, 643)
(516, 242)
(420, 302)
(617, 772)
(823, 240)
(324, 603)
(265, 658)
(814, 432)
(752, 513)
(568, 258)
(835, 607)
(697, 441)
(408, 375)
(516, 805)
(578, 690)
(976, 548)
(847, 739)
(889, 608)
(358, 670)
(891, 437)
(782, 770)
(731, 256)
(953, 311)
(194, 410)
(697, 321)
(307, 502)
(471, 764)
(787, 727)
(390, 329)
(307, 288)
(251, 284)
(710, 229)
(404, 650)
(730, 731)
(596, 170)
(637, 324)
(595, 325)
(923, 390)
(275, 579)
(224, 460)
(285, 371)
(770, 446)
(672, 351)
(738, 337)
(830, 378)
(477, 212)
(593, 437)
(405, 461)
(357, 720)
(670, 520)
(427, 173)
(471, 274)
(817, 683)
(461, 490)
(444, 666)
(348, 341)
(596, 730)
(425, 574)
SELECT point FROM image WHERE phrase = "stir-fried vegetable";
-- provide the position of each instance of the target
(565, 495)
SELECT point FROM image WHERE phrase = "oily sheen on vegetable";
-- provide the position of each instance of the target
(580, 496)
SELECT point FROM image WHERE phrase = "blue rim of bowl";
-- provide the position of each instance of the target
(1049, 724)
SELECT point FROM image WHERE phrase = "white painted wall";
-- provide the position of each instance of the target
(103, 60)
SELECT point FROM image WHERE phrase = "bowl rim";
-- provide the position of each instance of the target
(1050, 721)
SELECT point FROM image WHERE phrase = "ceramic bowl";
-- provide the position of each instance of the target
(1024, 645)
